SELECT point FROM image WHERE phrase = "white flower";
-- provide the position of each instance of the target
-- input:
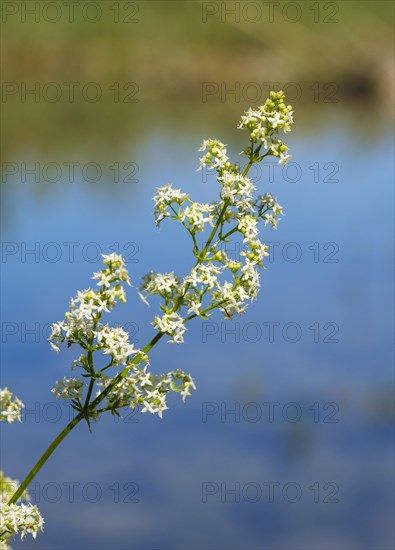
(172, 324)
(116, 270)
(195, 307)
(164, 197)
(161, 283)
(216, 156)
(103, 278)
(275, 120)
(204, 274)
(277, 209)
(248, 226)
(270, 218)
(250, 279)
(68, 388)
(234, 298)
(255, 252)
(114, 342)
(143, 299)
(87, 307)
(10, 406)
(188, 385)
(155, 403)
(20, 518)
(236, 188)
(194, 215)
(145, 378)
(284, 158)
(265, 122)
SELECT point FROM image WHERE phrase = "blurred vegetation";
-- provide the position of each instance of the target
(171, 52)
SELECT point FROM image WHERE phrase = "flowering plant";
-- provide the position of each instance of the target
(215, 282)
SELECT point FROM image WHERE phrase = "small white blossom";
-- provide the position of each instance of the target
(149, 391)
(195, 215)
(155, 403)
(194, 306)
(236, 188)
(256, 252)
(88, 306)
(207, 275)
(265, 122)
(172, 324)
(234, 298)
(164, 284)
(188, 385)
(164, 197)
(216, 156)
(10, 406)
(284, 158)
(116, 270)
(68, 388)
(248, 226)
(114, 342)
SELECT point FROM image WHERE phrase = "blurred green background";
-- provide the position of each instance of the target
(334, 52)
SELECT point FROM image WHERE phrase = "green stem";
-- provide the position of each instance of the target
(256, 152)
(40, 463)
(91, 383)
(214, 230)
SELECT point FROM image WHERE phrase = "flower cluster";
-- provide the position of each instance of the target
(171, 203)
(134, 386)
(140, 387)
(19, 518)
(68, 388)
(114, 342)
(265, 122)
(236, 188)
(10, 406)
(194, 216)
(165, 196)
(87, 307)
(216, 156)
(172, 324)
(208, 287)
(166, 285)
(16, 518)
(115, 271)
